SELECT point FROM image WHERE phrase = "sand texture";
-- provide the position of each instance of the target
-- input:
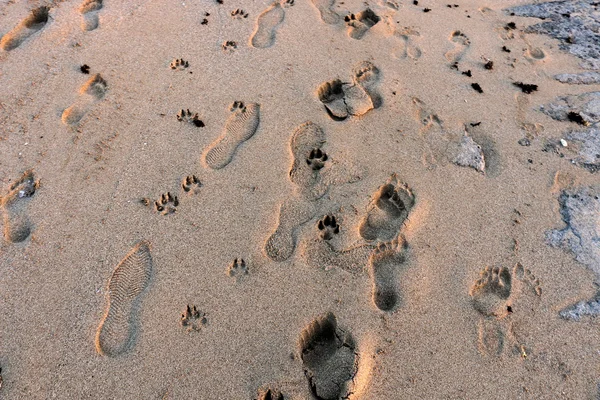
(300, 199)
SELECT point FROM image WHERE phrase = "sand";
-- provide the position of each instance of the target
(298, 200)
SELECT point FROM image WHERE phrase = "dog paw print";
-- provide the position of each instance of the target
(179, 64)
(238, 269)
(328, 227)
(287, 3)
(239, 14)
(316, 159)
(229, 46)
(166, 204)
(191, 184)
(237, 105)
(190, 118)
(192, 319)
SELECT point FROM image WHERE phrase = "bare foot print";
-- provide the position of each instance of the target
(130, 278)
(90, 93)
(293, 213)
(329, 358)
(326, 12)
(240, 126)
(461, 44)
(266, 26)
(365, 75)
(384, 263)
(388, 210)
(89, 11)
(331, 94)
(359, 24)
(408, 47)
(34, 22)
(491, 291)
(17, 226)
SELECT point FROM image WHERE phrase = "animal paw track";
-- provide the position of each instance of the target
(238, 269)
(288, 3)
(229, 46)
(191, 184)
(34, 22)
(179, 64)
(316, 159)
(328, 227)
(239, 14)
(192, 319)
(167, 204)
(359, 24)
(190, 118)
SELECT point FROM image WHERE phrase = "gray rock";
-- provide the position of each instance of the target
(470, 154)
(587, 105)
(587, 145)
(575, 23)
(585, 78)
(583, 308)
(580, 211)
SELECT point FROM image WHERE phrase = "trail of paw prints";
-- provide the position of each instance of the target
(387, 211)
(167, 203)
(89, 94)
(329, 358)
(34, 22)
(89, 11)
(116, 332)
(342, 100)
(384, 263)
(17, 226)
(461, 44)
(318, 251)
(266, 26)
(238, 269)
(240, 126)
(408, 47)
(357, 25)
(192, 319)
(325, 8)
(501, 298)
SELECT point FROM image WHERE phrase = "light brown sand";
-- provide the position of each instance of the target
(86, 214)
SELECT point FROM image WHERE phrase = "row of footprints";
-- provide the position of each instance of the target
(329, 354)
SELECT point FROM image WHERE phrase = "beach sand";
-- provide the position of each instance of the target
(298, 200)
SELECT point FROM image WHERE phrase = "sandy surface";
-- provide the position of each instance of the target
(93, 282)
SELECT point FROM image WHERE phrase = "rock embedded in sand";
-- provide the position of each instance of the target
(584, 78)
(470, 154)
(586, 105)
(587, 143)
(574, 23)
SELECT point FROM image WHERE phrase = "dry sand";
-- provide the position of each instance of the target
(336, 212)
